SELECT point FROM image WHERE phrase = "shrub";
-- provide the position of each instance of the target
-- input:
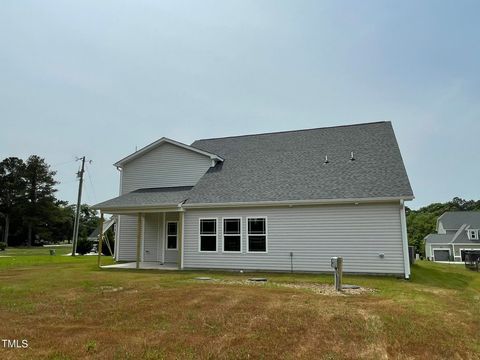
(3, 246)
(84, 246)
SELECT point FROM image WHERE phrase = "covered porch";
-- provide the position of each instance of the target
(150, 228)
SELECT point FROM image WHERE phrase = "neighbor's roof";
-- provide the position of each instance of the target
(155, 197)
(455, 219)
(288, 166)
(439, 238)
(461, 238)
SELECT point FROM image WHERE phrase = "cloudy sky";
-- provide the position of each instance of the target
(98, 78)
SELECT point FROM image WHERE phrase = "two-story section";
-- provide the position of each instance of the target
(284, 201)
(160, 175)
(457, 231)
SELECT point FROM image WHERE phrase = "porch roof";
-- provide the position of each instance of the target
(164, 197)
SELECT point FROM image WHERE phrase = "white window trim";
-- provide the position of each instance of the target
(166, 236)
(469, 232)
(200, 235)
(449, 252)
(241, 234)
(266, 234)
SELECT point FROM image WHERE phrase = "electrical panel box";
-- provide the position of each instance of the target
(334, 262)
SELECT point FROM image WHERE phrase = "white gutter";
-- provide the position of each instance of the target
(403, 224)
(297, 202)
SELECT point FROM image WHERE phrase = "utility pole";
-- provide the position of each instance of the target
(79, 202)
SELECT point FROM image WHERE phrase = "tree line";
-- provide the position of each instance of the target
(31, 213)
(423, 221)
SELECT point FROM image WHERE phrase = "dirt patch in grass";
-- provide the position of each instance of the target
(320, 289)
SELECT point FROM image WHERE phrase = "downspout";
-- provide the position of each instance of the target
(403, 224)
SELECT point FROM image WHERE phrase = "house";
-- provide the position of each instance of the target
(285, 201)
(457, 231)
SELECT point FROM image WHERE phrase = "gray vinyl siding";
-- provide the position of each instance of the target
(314, 234)
(127, 238)
(165, 166)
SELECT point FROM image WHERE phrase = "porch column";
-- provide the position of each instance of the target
(180, 239)
(139, 238)
(100, 238)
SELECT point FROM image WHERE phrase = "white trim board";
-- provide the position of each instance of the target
(297, 202)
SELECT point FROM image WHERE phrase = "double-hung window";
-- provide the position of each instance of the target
(257, 234)
(208, 235)
(172, 235)
(473, 234)
(232, 239)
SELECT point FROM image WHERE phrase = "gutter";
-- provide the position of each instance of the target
(355, 201)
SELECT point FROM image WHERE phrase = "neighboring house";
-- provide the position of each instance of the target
(267, 202)
(457, 231)
(107, 224)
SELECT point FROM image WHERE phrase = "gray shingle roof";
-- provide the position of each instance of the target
(290, 166)
(455, 219)
(155, 197)
(439, 238)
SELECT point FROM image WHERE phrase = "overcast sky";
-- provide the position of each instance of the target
(98, 78)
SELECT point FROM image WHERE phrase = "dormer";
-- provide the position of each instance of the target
(472, 234)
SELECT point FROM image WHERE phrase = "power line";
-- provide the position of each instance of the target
(91, 183)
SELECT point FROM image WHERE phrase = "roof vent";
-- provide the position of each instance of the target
(326, 160)
(352, 156)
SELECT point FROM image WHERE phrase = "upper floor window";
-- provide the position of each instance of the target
(208, 235)
(472, 234)
(257, 234)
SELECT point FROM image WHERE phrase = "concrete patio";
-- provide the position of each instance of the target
(143, 266)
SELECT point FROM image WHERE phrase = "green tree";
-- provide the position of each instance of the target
(40, 190)
(12, 190)
(423, 221)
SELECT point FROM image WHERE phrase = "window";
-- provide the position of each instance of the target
(473, 234)
(208, 234)
(257, 234)
(172, 233)
(232, 239)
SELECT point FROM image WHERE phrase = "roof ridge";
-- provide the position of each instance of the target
(292, 131)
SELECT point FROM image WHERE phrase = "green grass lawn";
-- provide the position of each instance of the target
(67, 308)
